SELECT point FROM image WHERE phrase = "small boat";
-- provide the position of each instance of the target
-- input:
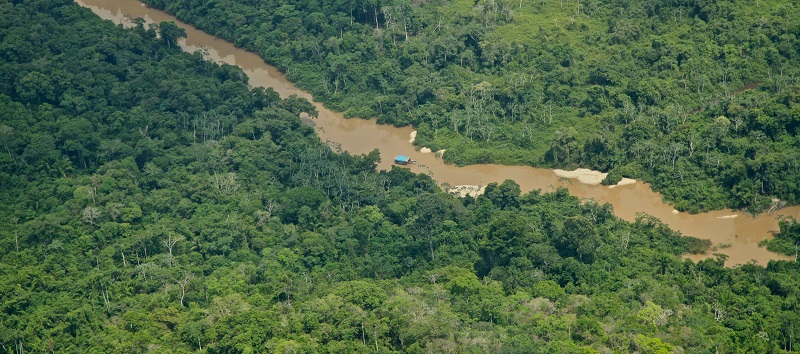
(403, 160)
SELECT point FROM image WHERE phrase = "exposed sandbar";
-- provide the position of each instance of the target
(467, 189)
(587, 176)
(583, 175)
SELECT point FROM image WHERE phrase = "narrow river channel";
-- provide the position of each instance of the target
(737, 232)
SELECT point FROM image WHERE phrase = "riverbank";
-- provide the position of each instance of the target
(591, 177)
(360, 136)
(467, 190)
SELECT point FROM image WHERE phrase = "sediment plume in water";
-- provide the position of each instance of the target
(360, 136)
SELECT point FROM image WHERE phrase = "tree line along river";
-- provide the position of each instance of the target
(737, 232)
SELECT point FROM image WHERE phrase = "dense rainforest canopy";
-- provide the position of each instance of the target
(699, 98)
(152, 202)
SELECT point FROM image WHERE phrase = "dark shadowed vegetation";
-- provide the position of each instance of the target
(152, 202)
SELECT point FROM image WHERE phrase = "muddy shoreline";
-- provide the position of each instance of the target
(360, 136)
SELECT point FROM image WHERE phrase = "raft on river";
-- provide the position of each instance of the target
(403, 160)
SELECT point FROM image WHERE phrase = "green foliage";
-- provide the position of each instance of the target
(549, 289)
(504, 196)
(361, 293)
(787, 240)
(151, 202)
(170, 33)
(700, 98)
(652, 345)
(613, 177)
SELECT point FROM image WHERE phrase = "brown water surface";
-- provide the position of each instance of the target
(358, 136)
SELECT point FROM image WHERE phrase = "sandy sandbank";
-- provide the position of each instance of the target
(624, 182)
(728, 216)
(467, 189)
(587, 176)
(583, 175)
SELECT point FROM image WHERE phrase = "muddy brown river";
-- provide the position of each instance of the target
(738, 236)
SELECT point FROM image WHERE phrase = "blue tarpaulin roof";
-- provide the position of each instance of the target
(401, 158)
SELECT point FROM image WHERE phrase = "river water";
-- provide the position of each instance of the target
(739, 236)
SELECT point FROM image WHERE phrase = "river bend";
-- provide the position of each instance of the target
(736, 232)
